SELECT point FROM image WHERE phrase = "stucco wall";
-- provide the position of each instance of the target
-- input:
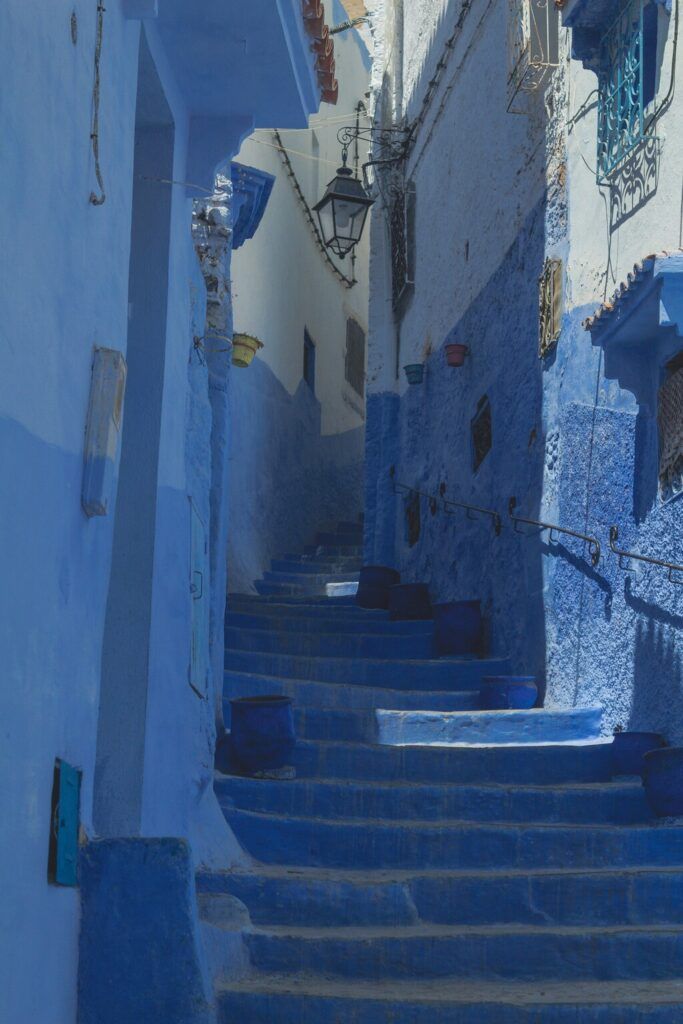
(290, 448)
(496, 193)
(64, 289)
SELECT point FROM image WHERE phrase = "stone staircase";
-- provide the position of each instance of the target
(432, 864)
(329, 566)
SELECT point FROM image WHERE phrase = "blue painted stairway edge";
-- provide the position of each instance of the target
(432, 862)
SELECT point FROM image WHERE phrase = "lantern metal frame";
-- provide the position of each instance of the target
(389, 146)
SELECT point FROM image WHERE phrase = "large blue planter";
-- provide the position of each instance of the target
(374, 584)
(629, 748)
(508, 693)
(410, 601)
(261, 732)
(663, 781)
(458, 628)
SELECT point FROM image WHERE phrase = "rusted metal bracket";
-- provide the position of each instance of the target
(554, 529)
(671, 567)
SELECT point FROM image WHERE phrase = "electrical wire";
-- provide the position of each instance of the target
(95, 125)
(308, 213)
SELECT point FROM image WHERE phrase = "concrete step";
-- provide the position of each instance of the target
(320, 898)
(310, 999)
(519, 953)
(363, 843)
(333, 645)
(538, 725)
(437, 674)
(276, 618)
(599, 803)
(306, 693)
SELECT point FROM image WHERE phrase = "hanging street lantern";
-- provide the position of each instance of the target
(342, 211)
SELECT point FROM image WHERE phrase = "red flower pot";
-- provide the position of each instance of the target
(455, 354)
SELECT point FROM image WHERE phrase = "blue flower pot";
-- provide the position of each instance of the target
(508, 693)
(261, 732)
(410, 601)
(663, 781)
(458, 628)
(414, 372)
(374, 584)
(629, 748)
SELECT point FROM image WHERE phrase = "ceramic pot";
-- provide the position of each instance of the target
(374, 584)
(663, 781)
(244, 348)
(629, 748)
(410, 601)
(508, 693)
(455, 354)
(261, 732)
(458, 628)
(414, 372)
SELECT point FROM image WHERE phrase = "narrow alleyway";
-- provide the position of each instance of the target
(499, 877)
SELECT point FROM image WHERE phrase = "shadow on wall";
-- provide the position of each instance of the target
(657, 670)
(434, 447)
(285, 478)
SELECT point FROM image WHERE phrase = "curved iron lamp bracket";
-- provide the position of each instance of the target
(632, 556)
(389, 144)
(553, 531)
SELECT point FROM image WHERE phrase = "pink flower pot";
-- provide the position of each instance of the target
(455, 354)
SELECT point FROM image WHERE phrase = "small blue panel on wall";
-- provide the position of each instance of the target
(64, 825)
(102, 433)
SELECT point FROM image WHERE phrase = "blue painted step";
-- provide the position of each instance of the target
(520, 953)
(320, 898)
(600, 803)
(345, 843)
(301, 999)
(311, 579)
(539, 765)
(305, 566)
(318, 644)
(276, 617)
(338, 695)
(343, 541)
(307, 605)
(439, 674)
(332, 550)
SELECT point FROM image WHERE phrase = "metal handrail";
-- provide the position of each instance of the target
(631, 555)
(593, 542)
(435, 501)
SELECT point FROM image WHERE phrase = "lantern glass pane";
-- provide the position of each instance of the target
(326, 218)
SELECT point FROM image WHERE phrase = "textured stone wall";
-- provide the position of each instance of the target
(496, 194)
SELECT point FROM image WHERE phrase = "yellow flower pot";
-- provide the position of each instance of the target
(244, 348)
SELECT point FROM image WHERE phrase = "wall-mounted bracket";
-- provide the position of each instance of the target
(553, 530)
(631, 556)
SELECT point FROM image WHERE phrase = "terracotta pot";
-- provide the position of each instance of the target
(455, 354)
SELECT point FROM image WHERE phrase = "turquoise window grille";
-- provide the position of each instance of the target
(626, 83)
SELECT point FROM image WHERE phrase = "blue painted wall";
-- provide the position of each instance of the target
(64, 288)
(575, 434)
(286, 478)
